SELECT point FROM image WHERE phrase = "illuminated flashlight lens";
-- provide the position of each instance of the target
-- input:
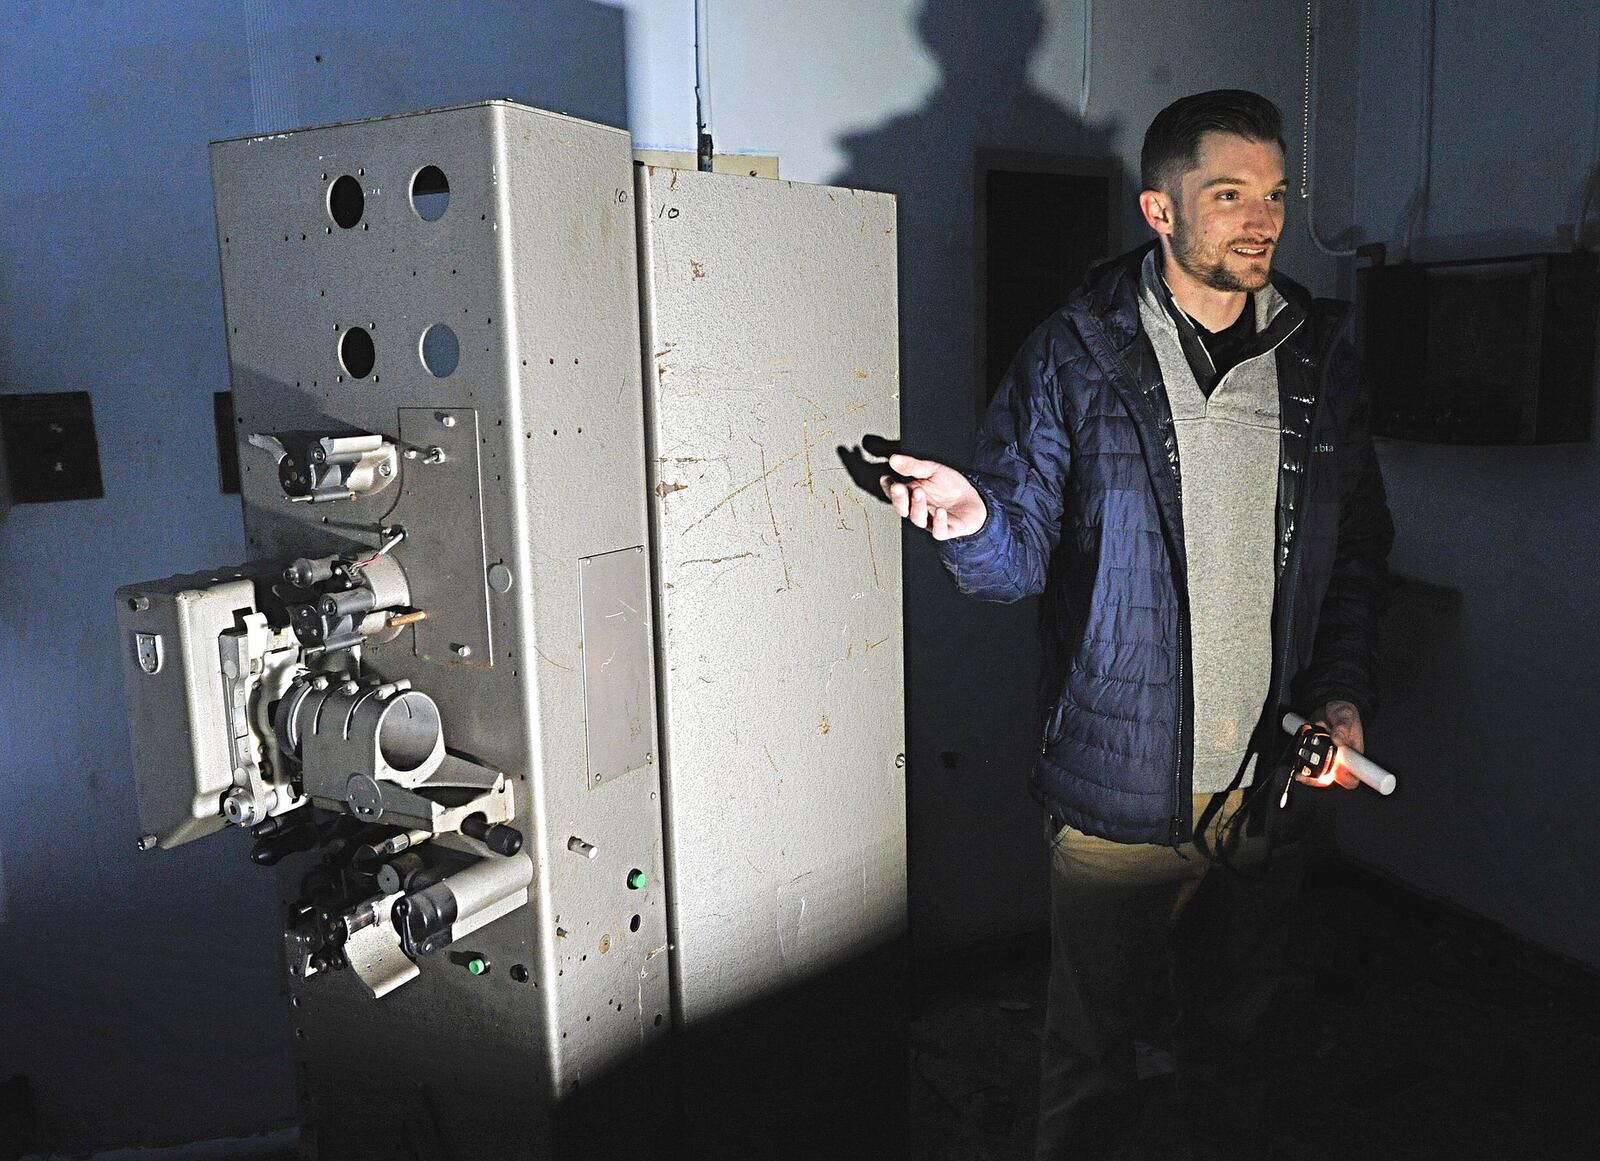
(1335, 764)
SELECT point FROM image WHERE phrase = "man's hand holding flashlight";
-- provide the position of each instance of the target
(1343, 721)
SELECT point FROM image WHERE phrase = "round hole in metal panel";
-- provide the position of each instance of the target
(357, 353)
(441, 350)
(346, 202)
(430, 193)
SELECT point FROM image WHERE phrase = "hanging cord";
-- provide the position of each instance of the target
(1306, 147)
(1591, 181)
(1305, 116)
(1230, 832)
(1419, 201)
(1266, 748)
(1088, 42)
(702, 88)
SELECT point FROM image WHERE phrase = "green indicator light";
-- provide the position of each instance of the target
(637, 879)
(477, 965)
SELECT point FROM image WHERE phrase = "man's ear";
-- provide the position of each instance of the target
(1157, 211)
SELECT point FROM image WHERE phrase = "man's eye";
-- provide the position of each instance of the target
(1275, 197)
(1227, 195)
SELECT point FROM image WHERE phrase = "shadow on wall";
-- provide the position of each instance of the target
(976, 862)
(928, 158)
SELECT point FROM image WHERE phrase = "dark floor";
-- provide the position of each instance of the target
(1416, 1033)
(1413, 1032)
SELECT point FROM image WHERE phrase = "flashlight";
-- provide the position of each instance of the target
(1318, 757)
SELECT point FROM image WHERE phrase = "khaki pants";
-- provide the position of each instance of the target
(1159, 944)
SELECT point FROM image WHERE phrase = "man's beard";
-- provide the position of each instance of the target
(1210, 268)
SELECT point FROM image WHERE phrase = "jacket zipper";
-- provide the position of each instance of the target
(1176, 828)
(1292, 564)
(1290, 579)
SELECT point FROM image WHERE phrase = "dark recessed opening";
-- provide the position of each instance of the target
(633, 924)
(1481, 351)
(227, 447)
(356, 352)
(1044, 221)
(430, 193)
(346, 202)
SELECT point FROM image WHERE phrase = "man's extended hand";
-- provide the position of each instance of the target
(1344, 723)
(934, 497)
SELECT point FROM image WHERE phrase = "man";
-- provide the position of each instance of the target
(1179, 460)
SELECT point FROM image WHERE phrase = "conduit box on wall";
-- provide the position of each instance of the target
(51, 453)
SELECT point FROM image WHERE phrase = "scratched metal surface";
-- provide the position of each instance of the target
(770, 311)
(534, 265)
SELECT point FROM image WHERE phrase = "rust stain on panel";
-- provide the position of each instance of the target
(872, 547)
(820, 415)
(783, 556)
(838, 507)
(761, 479)
(719, 559)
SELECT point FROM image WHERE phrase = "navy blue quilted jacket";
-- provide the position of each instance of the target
(1077, 462)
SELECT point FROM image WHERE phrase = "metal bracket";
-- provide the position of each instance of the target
(320, 469)
(375, 952)
(436, 805)
(253, 654)
(441, 508)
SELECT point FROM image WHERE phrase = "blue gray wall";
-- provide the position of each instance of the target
(1489, 725)
(141, 991)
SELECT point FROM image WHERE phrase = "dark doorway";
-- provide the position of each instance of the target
(1043, 220)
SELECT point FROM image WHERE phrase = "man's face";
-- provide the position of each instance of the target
(1228, 213)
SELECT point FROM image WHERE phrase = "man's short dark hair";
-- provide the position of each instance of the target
(1172, 143)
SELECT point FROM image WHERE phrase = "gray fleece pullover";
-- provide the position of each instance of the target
(1228, 459)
